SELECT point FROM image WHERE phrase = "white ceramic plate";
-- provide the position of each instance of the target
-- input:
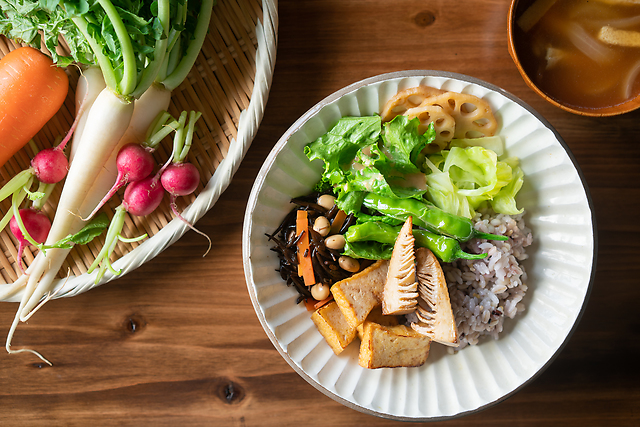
(560, 267)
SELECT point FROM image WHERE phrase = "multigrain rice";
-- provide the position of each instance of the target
(484, 292)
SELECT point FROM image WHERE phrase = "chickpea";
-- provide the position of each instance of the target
(320, 291)
(349, 264)
(336, 242)
(322, 226)
(326, 201)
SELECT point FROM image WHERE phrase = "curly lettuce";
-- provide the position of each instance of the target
(362, 155)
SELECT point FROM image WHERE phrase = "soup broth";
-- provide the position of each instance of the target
(564, 54)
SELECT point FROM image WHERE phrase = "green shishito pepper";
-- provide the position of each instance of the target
(445, 248)
(429, 217)
(368, 250)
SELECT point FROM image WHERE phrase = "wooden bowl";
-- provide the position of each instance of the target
(515, 10)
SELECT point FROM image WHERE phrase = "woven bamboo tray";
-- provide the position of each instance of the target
(229, 84)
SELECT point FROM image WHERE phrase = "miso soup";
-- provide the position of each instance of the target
(581, 53)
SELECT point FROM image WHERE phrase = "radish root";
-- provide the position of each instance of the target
(174, 209)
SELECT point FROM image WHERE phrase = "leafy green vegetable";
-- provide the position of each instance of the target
(23, 21)
(89, 232)
(493, 143)
(350, 201)
(461, 180)
(133, 42)
(403, 143)
(359, 157)
(340, 145)
(444, 194)
(505, 200)
(380, 174)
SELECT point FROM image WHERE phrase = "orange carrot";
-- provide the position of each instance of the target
(309, 304)
(304, 262)
(319, 304)
(313, 305)
(32, 90)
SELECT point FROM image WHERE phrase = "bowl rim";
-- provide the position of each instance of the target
(280, 144)
(613, 110)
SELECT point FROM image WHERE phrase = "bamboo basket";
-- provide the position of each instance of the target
(229, 84)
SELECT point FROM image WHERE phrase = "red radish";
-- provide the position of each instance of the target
(180, 179)
(50, 165)
(134, 163)
(37, 225)
(143, 197)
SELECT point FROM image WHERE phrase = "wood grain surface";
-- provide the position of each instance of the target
(177, 342)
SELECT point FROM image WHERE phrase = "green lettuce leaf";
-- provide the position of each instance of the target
(339, 146)
(461, 180)
(402, 142)
(350, 201)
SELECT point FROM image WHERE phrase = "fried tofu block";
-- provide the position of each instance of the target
(376, 316)
(392, 347)
(618, 37)
(333, 326)
(534, 13)
(359, 294)
(621, 2)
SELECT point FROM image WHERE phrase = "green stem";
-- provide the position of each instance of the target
(16, 183)
(173, 48)
(117, 222)
(178, 75)
(130, 74)
(107, 263)
(172, 62)
(132, 239)
(151, 70)
(34, 147)
(161, 127)
(7, 217)
(46, 190)
(104, 63)
(193, 118)
(178, 139)
(16, 200)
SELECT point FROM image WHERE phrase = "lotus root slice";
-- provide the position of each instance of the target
(473, 116)
(406, 99)
(443, 123)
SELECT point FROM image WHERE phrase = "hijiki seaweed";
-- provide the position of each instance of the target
(325, 260)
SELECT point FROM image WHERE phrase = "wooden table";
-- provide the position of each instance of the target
(177, 342)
